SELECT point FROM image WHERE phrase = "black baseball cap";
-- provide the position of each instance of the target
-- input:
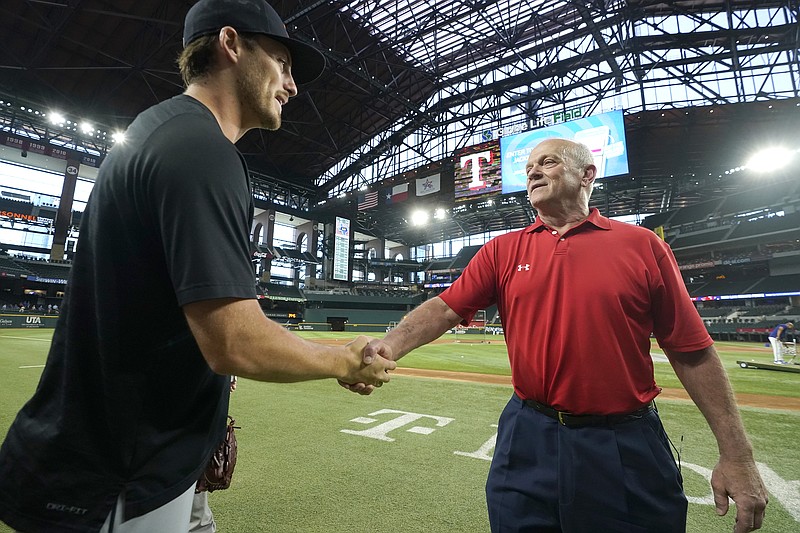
(252, 16)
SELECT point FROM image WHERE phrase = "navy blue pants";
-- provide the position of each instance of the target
(546, 477)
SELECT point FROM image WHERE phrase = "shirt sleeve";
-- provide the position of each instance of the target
(676, 323)
(203, 211)
(476, 287)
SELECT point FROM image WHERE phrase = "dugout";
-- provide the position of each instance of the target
(337, 322)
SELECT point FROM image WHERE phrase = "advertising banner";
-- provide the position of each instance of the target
(27, 321)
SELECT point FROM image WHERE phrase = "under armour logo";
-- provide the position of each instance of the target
(520, 268)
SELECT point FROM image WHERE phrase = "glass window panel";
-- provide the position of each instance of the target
(25, 238)
(83, 188)
(281, 271)
(31, 179)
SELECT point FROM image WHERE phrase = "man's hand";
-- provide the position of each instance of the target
(374, 350)
(363, 377)
(359, 388)
(377, 348)
(740, 480)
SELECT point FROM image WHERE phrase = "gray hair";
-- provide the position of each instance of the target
(577, 156)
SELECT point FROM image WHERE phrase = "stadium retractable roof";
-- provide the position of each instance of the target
(410, 81)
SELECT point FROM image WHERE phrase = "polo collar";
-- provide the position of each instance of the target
(595, 219)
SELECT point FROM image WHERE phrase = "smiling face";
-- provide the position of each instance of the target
(266, 84)
(560, 174)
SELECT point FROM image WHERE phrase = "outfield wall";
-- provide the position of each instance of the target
(370, 317)
(27, 321)
(357, 322)
(354, 328)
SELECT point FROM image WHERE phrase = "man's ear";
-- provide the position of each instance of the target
(589, 175)
(230, 44)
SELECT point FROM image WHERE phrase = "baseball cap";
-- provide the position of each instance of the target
(252, 16)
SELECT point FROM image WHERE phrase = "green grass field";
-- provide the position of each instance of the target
(307, 462)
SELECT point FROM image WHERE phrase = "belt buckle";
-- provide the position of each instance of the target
(561, 418)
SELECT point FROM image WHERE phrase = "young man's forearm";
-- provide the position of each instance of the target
(237, 339)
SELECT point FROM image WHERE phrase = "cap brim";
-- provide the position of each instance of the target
(307, 62)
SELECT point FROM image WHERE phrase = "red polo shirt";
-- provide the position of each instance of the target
(578, 310)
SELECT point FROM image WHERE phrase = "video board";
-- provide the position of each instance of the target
(604, 134)
(477, 171)
(341, 249)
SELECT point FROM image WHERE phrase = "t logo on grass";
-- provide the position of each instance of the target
(485, 451)
(402, 418)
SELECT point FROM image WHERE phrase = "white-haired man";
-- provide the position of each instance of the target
(580, 445)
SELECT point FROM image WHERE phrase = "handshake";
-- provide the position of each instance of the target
(369, 362)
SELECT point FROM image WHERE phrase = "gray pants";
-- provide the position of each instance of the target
(202, 519)
(171, 517)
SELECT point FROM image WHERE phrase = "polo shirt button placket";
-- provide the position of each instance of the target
(561, 244)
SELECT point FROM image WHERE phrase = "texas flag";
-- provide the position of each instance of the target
(398, 193)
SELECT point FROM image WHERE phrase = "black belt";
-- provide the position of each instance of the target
(574, 421)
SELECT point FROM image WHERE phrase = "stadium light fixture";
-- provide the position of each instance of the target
(440, 213)
(87, 128)
(118, 136)
(419, 218)
(770, 159)
(56, 118)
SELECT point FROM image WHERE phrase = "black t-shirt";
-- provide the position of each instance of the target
(126, 401)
